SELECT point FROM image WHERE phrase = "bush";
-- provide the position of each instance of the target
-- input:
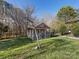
(59, 27)
(75, 29)
(62, 29)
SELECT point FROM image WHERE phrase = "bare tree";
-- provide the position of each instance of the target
(29, 13)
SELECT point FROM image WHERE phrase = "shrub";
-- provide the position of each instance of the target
(62, 29)
(59, 27)
(75, 29)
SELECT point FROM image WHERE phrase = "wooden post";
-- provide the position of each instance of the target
(37, 38)
(45, 34)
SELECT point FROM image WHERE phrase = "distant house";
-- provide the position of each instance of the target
(41, 31)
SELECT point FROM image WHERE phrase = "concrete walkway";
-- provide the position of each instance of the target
(77, 38)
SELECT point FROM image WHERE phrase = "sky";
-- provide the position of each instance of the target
(43, 7)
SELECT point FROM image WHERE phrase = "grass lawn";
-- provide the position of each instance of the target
(51, 48)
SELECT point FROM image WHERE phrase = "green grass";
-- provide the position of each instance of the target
(51, 48)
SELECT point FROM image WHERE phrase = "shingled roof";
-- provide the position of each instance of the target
(42, 26)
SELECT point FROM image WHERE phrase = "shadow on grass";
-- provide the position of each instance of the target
(54, 45)
(14, 43)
